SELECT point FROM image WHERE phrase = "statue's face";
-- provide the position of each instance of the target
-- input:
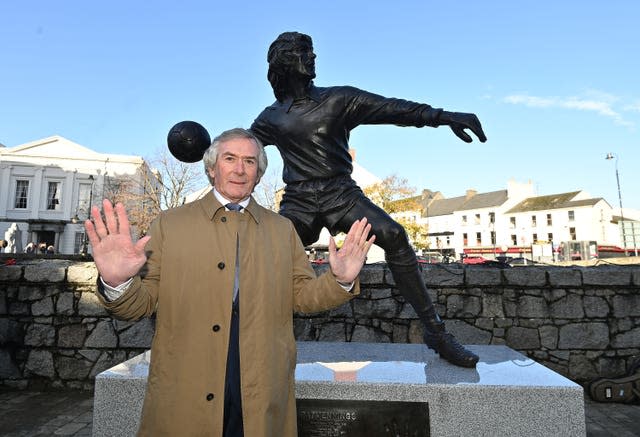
(303, 60)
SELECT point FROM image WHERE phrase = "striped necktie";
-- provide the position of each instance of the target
(237, 208)
(233, 206)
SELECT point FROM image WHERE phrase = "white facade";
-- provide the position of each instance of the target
(515, 219)
(46, 183)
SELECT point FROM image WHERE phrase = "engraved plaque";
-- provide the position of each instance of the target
(338, 418)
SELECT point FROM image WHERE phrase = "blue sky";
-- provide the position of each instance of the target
(554, 83)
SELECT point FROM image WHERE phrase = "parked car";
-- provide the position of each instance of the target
(430, 258)
(474, 259)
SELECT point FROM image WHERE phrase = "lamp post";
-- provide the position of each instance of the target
(610, 156)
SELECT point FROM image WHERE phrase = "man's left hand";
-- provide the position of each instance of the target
(347, 262)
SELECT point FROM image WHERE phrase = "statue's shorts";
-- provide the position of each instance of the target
(335, 203)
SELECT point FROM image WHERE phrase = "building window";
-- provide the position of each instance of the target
(84, 196)
(464, 219)
(534, 221)
(53, 196)
(478, 238)
(572, 215)
(572, 233)
(492, 217)
(78, 243)
(22, 194)
(493, 237)
(512, 222)
(550, 237)
(514, 239)
(549, 221)
(465, 239)
(448, 241)
(535, 238)
(477, 222)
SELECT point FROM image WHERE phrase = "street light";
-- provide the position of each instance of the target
(76, 219)
(610, 156)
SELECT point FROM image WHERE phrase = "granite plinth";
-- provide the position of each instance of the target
(507, 394)
(118, 396)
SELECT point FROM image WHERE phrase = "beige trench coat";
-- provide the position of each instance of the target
(188, 281)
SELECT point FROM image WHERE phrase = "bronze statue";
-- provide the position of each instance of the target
(310, 126)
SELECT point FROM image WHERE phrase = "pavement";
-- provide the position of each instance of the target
(31, 413)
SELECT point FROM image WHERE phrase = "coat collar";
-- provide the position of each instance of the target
(212, 206)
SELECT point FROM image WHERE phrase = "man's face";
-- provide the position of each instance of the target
(303, 60)
(235, 173)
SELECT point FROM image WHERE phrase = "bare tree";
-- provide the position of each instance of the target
(177, 179)
(160, 183)
(268, 192)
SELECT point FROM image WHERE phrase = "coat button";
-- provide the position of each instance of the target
(223, 219)
(210, 397)
(221, 265)
(216, 328)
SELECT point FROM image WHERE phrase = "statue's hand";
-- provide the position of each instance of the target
(459, 121)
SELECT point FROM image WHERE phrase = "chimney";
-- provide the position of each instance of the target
(470, 194)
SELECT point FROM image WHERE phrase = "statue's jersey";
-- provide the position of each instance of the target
(312, 133)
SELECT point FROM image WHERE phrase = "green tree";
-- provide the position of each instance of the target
(395, 196)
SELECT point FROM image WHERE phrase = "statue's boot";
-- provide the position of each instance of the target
(411, 285)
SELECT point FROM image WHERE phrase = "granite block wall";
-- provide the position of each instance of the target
(583, 322)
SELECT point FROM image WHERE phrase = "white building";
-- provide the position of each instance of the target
(514, 220)
(47, 187)
(472, 220)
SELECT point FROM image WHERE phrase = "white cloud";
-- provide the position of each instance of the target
(634, 107)
(598, 102)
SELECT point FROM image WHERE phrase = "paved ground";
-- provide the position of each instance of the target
(34, 413)
(40, 414)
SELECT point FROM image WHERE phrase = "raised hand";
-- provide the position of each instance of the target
(347, 262)
(116, 256)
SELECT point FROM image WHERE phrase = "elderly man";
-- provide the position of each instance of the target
(224, 276)
(310, 126)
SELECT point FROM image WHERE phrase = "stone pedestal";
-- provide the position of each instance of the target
(507, 394)
(118, 395)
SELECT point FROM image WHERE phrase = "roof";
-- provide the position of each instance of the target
(62, 148)
(462, 203)
(552, 201)
(486, 200)
(444, 206)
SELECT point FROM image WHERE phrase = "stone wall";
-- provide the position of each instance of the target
(583, 322)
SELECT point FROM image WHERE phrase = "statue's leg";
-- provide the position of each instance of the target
(403, 264)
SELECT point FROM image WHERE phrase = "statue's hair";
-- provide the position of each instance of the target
(280, 60)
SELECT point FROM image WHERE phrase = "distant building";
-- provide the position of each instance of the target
(49, 185)
(514, 221)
